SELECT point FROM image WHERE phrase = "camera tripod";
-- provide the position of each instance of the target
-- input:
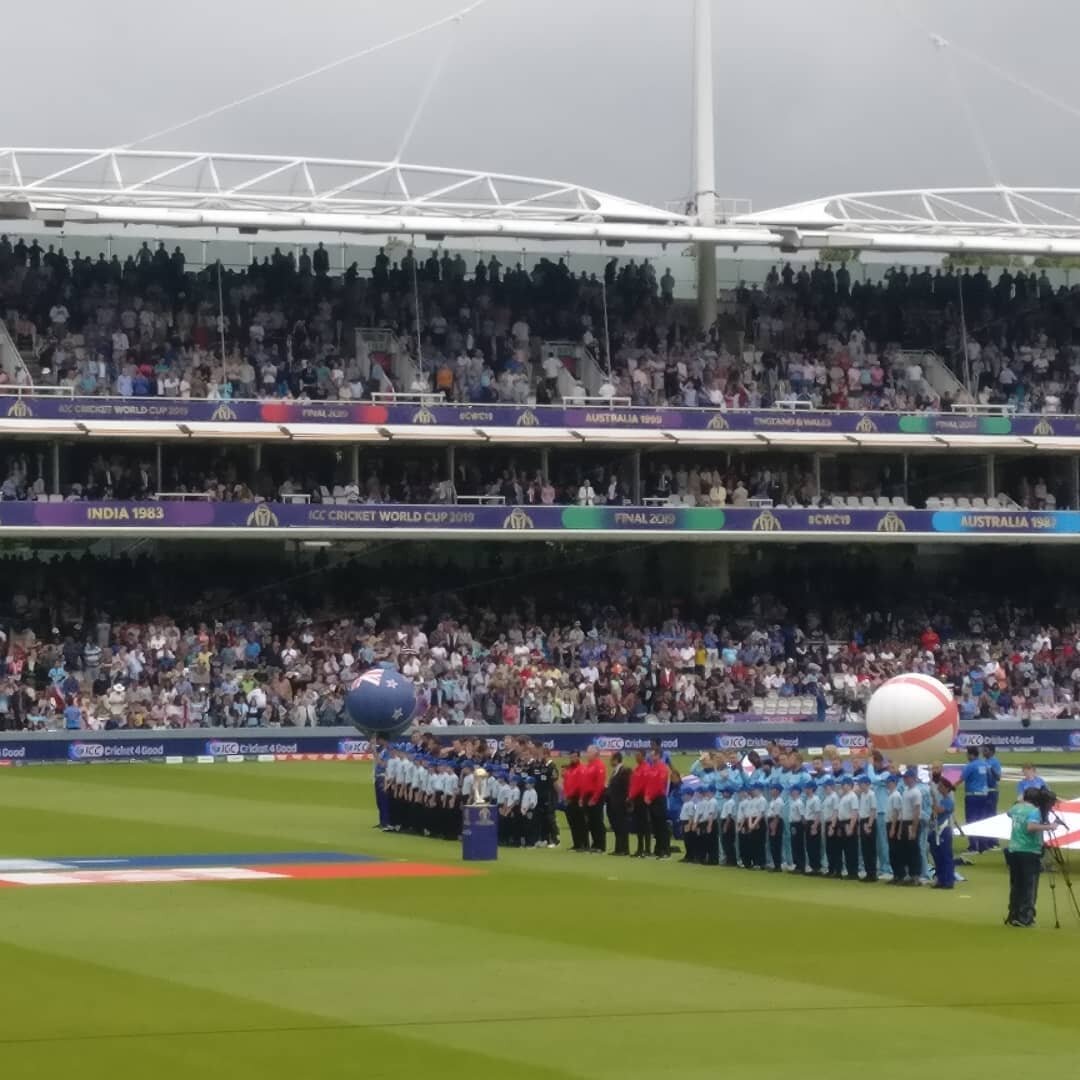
(1056, 863)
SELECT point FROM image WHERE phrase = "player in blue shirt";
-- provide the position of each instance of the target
(878, 772)
(976, 781)
(830, 827)
(1031, 780)
(925, 827)
(686, 831)
(774, 818)
(993, 785)
(728, 807)
(755, 826)
(812, 826)
(796, 826)
(709, 828)
(941, 838)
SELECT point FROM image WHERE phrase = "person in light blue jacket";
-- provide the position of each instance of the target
(925, 822)
(877, 770)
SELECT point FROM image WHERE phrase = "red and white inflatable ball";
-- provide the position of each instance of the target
(912, 718)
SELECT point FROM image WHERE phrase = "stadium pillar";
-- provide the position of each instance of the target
(904, 478)
(1074, 483)
(545, 463)
(704, 160)
(991, 477)
(158, 470)
(635, 477)
(55, 485)
(817, 475)
(709, 567)
(354, 464)
(451, 464)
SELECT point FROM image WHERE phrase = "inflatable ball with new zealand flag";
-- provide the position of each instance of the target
(381, 701)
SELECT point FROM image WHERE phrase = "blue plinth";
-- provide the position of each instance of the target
(479, 833)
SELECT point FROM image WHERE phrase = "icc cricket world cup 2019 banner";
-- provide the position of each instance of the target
(176, 410)
(261, 519)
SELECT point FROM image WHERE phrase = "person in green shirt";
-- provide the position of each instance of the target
(1024, 856)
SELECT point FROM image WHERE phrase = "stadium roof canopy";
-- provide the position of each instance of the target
(257, 193)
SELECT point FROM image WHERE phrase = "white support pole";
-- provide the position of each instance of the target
(704, 160)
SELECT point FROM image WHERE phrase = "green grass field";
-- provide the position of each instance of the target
(548, 965)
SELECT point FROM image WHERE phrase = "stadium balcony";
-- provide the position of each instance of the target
(286, 328)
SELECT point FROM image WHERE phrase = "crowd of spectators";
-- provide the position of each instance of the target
(285, 328)
(113, 643)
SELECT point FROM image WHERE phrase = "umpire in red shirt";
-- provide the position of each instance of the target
(657, 776)
(575, 814)
(593, 787)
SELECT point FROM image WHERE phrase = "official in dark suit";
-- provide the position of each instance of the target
(617, 798)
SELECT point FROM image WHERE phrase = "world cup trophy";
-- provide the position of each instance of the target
(480, 775)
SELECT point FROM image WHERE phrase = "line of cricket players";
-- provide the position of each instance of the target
(828, 827)
(421, 787)
(855, 818)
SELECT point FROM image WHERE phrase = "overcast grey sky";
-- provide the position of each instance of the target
(812, 98)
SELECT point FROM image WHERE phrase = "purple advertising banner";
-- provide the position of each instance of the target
(745, 733)
(804, 421)
(522, 521)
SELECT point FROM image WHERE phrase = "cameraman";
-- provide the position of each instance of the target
(1024, 854)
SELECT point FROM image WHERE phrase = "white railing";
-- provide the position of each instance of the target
(428, 397)
(16, 390)
(182, 496)
(592, 402)
(971, 408)
(793, 404)
(481, 500)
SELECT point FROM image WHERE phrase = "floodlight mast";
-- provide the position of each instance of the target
(704, 161)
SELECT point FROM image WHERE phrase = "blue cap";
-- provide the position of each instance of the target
(795, 787)
(755, 786)
(530, 779)
(911, 772)
(828, 781)
(892, 778)
(776, 786)
(847, 778)
(862, 778)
